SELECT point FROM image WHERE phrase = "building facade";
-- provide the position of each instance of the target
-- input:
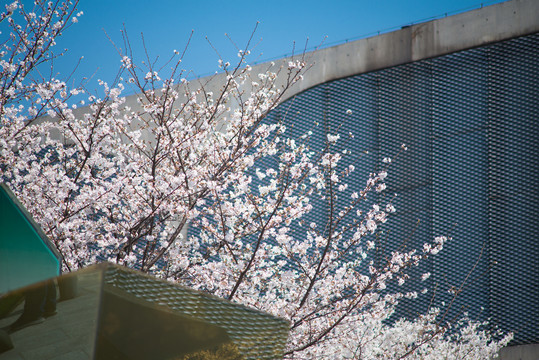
(462, 93)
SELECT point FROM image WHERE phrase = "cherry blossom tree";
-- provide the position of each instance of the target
(120, 183)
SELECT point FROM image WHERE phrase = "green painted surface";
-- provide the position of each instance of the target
(26, 255)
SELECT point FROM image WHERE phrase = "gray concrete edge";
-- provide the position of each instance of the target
(430, 39)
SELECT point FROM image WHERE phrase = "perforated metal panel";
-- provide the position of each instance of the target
(513, 136)
(471, 122)
(306, 112)
(256, 334)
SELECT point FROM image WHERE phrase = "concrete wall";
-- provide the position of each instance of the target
(421, 41)
(425, 40)
(521, 352)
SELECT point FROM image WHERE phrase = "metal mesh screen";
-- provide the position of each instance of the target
(513, 141)
(471, 122)
(256, 334)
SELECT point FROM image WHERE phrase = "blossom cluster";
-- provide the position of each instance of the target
(123, 183)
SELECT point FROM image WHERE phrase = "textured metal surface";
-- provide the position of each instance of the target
(513, 186)
(471, 122)
(256, 334)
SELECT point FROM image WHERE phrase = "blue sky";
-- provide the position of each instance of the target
(167, 25)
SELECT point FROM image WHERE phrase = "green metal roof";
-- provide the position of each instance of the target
(26, 254)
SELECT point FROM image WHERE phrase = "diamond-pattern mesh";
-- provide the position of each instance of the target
(471, 122)
(514, 185)
(358, 131)
(256, 334)
(402, 102)
(301, 115)
(459, 175)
